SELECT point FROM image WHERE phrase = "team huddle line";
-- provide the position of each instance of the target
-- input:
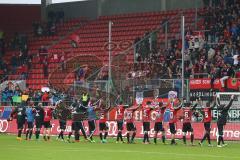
(42, 117)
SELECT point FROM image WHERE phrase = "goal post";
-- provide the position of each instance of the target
(224, 98)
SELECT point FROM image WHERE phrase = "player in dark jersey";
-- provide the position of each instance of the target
(62, 112)
(103, 126)
(20, 113)
(39, 116)
(30, 120)
(207, 118)
(222, 119)
(174, 107)
(48, 116)
(146, 118)
(73, 111)
(119, 118)
(78, 114)
(131, 129)
(188, 111)
(158, 126)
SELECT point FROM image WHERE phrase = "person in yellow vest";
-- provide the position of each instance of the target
(85, 98)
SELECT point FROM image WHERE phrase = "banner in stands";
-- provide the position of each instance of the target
(205, 83)
(204, 94)
(231, 132)
(233, 115)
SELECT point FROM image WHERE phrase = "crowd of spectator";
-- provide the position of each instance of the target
(48, 29)
(221, 52)
(19, 42)
(154, 62)
(4, 70)
(45, 58)
(81, 73)
(20, 61)
(13, 94)
(213, 51)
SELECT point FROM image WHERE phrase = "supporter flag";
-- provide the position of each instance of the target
(45, 89)
(24, 97)
(17, 99)
(139, 97)
(172, 95)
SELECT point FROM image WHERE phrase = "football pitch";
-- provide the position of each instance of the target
(11, 149)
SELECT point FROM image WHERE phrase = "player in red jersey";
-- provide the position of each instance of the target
(146, 118)
(48, 115)
(131, 129)
(158, 126)
(174, 107)
(207, 118)
(188, 111)
(103, 126)
(119, 118)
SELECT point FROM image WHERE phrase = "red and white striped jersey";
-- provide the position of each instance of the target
(207, 114)
(160, 114)
(187, 115)
(120, 112)
(48, 114)
(173, 115)
(146, 114)
(102, 115)
(129, 115)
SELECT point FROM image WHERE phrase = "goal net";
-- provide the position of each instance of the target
(224, 98)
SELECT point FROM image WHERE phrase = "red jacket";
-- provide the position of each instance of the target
(45, 97)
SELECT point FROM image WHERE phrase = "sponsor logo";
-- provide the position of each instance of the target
(3, 125)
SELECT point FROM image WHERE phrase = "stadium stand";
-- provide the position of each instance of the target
(127, 27)
(82, 37)
(35, 46)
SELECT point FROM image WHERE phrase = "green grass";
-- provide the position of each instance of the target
(11, 149)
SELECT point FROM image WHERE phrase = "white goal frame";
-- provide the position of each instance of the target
(227, 93)
(236, 101)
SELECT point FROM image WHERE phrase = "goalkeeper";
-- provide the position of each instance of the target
(222, 119)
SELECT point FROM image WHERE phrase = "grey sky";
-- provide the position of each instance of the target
(32, 1)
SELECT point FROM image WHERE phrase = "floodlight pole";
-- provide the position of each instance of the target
(109, 61)
(183, 49)
(196, 15)
(166, 34)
